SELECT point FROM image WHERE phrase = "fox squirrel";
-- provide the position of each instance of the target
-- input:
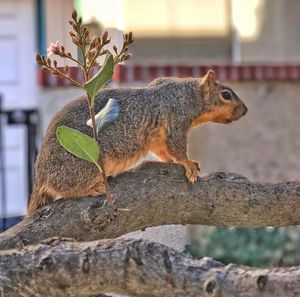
(154, 119)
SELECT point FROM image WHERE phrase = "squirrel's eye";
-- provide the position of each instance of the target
(226, 95)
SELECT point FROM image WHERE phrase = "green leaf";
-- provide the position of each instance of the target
(79, 144)
(106, 115)
(100, 78)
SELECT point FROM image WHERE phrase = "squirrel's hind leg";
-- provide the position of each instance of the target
(42, 195)
(97, 188)
(94, 188)
(39, 197)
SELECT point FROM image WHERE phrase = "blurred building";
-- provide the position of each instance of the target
(254, 44)
(200, 31)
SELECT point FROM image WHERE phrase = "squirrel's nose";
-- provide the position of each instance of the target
(245, 110)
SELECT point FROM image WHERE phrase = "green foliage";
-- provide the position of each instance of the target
(79, 144)
(254, 247)
(101, 77)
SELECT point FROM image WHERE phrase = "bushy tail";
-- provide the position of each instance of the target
(38, 199)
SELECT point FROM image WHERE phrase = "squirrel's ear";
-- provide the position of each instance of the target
(209, 78)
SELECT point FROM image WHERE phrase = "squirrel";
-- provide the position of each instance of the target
(153, 119)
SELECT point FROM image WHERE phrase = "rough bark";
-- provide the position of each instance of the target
(134, 268)
(158, 194)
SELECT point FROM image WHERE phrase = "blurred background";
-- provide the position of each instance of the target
(253, 45)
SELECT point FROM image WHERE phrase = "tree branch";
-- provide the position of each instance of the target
(134, 268)
(158, 194)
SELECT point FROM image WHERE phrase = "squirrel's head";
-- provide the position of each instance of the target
(221, 104)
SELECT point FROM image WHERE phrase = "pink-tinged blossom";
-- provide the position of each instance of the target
(53, 48)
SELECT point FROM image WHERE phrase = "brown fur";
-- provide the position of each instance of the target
(153, 119)
(217, 114)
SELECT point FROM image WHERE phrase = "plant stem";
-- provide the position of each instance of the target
(86, 73)
(107, 189)
(72, 59)
(73, 81)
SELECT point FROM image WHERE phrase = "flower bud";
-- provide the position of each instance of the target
(104, 36)
(74, 15)
(93, 42)
(86, 33)
(75, 27)
(53, 49)
(38, 58)
(130, 36)
(104, 52)
(75, 40)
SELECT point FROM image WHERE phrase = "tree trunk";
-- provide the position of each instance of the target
(134, 268)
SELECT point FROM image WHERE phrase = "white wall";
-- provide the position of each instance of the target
(17, 53)
(18, 88)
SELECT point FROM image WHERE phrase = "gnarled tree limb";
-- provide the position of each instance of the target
(134, 268)
(158, 194)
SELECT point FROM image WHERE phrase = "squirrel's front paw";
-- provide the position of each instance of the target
(191, 172)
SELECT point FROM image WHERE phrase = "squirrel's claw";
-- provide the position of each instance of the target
(191, 171)
(192, 178)
(197, 165)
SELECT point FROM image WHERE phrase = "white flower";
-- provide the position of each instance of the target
(53, 48)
